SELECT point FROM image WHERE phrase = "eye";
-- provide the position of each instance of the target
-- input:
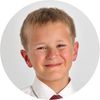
(61, 46)
(41, 48)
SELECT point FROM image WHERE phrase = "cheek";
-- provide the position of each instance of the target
(38, 59)
(67, 58)
(66, 55)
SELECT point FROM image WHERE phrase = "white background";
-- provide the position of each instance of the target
(9, 8)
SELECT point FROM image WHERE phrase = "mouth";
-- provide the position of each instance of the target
(53, 65)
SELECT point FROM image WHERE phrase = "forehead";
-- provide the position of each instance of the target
(48, 32)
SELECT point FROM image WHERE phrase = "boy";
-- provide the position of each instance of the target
(48, 37)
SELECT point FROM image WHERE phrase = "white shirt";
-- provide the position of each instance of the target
(42, 91)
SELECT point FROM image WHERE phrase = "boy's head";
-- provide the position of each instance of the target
(43, 16)
(48, 37)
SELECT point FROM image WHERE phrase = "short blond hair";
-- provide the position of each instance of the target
(44, 15)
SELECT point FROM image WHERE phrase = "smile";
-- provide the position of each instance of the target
(53, 65)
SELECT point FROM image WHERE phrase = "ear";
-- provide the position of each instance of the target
(25, 56)
(75, 50)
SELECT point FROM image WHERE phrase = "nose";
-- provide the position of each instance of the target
(52, 53)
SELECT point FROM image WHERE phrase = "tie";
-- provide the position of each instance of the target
(55, 97)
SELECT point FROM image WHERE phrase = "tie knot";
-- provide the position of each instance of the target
(55, 97)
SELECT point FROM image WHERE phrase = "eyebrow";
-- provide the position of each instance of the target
(60, 41)
(43, 43)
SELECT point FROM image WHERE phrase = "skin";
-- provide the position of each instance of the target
(51, 53)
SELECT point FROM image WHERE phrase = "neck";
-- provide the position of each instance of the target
(57, 85)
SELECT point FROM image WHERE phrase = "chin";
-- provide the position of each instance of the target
(55, 77)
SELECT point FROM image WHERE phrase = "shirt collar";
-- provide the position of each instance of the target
(42, 91)
(67, 90)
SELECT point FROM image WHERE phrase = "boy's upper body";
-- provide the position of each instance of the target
(40, 90)
(48, 37)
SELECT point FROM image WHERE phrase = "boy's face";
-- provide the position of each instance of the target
(50, 51)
